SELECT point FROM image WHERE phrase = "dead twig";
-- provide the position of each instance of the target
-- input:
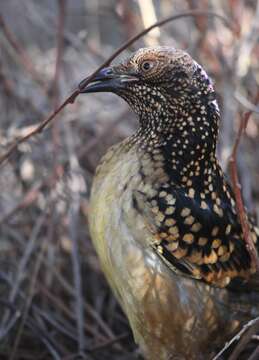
(29, 198)
(38, 129)
(86, 81)
(32, 287)
(109, 342)
(250, 324)
(58, 304)
(246, 103)
(241, 212)
(235, 355)
(75, 256)
(21, 269)
(57, 72)
(23, 57)
(13, 319)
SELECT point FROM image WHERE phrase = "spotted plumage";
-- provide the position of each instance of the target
(173, 202)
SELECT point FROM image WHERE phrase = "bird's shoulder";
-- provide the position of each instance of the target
(194, 225)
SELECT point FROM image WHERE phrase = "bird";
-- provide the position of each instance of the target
(163, 215)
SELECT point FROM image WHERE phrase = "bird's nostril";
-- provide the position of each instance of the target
(109, 72)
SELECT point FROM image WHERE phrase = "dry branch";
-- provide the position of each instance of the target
(237, 191)
(57, 72)
(86, 81)
(22, 55)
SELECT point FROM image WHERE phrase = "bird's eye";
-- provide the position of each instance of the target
(146, 65)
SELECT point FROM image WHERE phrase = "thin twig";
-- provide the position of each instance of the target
(13, 319)
(36, 329)
(57, 72)
(253, 322)
(244, 341)
(23, 57)
(21, 268)
(59, 52)
(79, 309)
(32, 287)
(134, 38)
(29, 198)
(246, 103)
(109, 343)
(58, 304)
(88, 308)
(38, 129)
(86, 81)
(237, 191)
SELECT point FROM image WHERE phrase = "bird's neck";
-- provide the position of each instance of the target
(186, 134)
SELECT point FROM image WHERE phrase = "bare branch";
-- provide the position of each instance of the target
(86, 81)
(237, 191)
(23, 57)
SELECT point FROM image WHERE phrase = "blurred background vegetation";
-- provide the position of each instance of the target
(54, 300)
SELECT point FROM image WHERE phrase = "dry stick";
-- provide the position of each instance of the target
(23, 57)
(32, 286)
(88, 308)
(109, 342)
(62, 326)
(21, 268)
(39, 128)
(58, 304)
(86, 81)
(16, 314)
(29, 198)
(60, 49)
(245, 339)
(251, 323)
(237, 191)
(148, 29)
(55, 87)
(9, 89)
(36, 329)
(242, 217)
(79, 309)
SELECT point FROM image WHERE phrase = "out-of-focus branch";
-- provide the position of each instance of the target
(86, 81)
(251, 324)
(246, 103)
(23, 57)
(148, 15)
(73, 215)
(29, 198)
(237, 191)
(60, 50)
(247, 44)
(38, 129)
(134, 38)
(55, 87)
(32, 285)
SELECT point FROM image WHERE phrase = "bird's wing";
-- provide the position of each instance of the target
(195, 240)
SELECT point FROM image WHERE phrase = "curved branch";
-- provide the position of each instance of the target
(83, 83)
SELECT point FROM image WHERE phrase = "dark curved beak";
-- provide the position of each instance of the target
(106, 80)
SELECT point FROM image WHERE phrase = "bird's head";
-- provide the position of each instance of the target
(164, 86)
